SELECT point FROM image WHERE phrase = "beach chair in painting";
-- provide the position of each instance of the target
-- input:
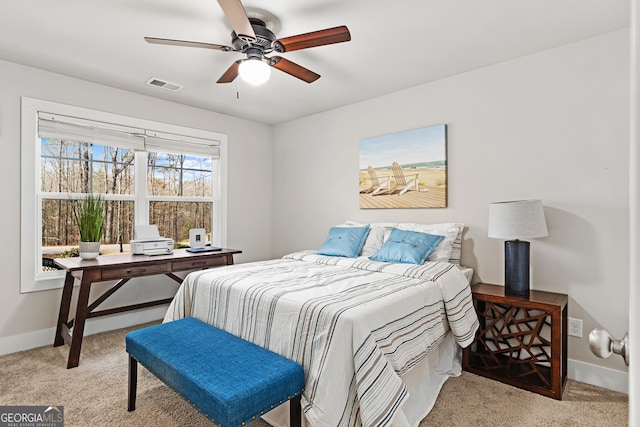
(377, 184)
(405, 182)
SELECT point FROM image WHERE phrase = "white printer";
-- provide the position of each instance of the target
(147, 241)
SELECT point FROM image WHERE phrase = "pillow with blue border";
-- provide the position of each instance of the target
(407, 247)
(344, 241)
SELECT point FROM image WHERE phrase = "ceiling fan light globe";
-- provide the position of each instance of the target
(254, 71)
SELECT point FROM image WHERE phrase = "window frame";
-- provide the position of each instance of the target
(31, 278)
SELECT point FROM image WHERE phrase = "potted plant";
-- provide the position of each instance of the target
(89, 215)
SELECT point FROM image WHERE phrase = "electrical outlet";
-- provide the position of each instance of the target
(575, 327)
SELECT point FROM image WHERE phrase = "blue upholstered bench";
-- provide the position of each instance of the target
(231, 381)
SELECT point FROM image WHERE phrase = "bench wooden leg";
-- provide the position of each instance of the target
(133, 383)
(295, 412)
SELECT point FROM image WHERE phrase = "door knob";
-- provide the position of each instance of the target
(603, 345)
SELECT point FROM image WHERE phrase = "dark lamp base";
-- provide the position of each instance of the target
(516, 268)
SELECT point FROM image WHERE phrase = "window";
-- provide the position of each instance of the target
(69, 169)
(147, 172)
(179, 188)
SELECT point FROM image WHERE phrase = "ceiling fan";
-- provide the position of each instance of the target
(251, 37)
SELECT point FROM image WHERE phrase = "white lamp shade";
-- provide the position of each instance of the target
(519, 219)
(254, 71)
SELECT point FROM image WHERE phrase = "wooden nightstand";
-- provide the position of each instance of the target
(521, 341)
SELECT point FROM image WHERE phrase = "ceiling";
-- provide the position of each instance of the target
(395, 45)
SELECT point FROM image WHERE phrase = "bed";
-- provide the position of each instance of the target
(376, 339)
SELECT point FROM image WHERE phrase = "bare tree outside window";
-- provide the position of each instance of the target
(183, 179)
(71, 169)
(179, 193)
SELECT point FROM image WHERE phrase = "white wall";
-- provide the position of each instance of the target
(26, 318)
(553, 126)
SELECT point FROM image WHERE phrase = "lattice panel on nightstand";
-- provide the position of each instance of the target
(521, 341)
(515, 341)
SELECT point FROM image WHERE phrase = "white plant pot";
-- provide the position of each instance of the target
(89, 250)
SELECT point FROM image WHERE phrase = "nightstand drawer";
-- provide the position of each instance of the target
(146, 270)
(197, 263)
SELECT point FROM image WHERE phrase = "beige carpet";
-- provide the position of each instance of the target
(95, 394)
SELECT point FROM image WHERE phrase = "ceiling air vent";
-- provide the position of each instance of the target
(173, 87)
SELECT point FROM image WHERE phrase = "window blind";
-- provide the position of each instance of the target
(94, 132)
(181, 144)
(90, 131)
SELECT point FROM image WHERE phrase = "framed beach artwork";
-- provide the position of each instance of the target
(404, 170)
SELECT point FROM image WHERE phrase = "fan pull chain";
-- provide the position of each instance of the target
(238, 89)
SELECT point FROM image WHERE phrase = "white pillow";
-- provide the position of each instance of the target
(451, 231)
(454, 258)
(378, 234)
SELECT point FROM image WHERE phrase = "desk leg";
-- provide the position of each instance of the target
(81, 315)
(65, 303)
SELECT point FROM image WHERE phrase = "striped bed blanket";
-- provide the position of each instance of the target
(355, 325)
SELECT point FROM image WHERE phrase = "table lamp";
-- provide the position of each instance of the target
(515, 220)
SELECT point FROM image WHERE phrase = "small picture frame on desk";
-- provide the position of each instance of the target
(197, 237)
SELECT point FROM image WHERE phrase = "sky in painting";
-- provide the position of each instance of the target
(413, 146)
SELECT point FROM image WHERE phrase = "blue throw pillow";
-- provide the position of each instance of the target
(344, 241)
(407, 247)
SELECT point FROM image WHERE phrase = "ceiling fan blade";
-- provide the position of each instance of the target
(231, 73)
(313, 39)
(171, 42)
(293, 69)
(237, 17)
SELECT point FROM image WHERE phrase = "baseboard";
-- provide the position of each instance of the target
(600, 376)
(44, 337)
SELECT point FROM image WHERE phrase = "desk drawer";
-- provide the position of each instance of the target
(198, 263)
(145, 270)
